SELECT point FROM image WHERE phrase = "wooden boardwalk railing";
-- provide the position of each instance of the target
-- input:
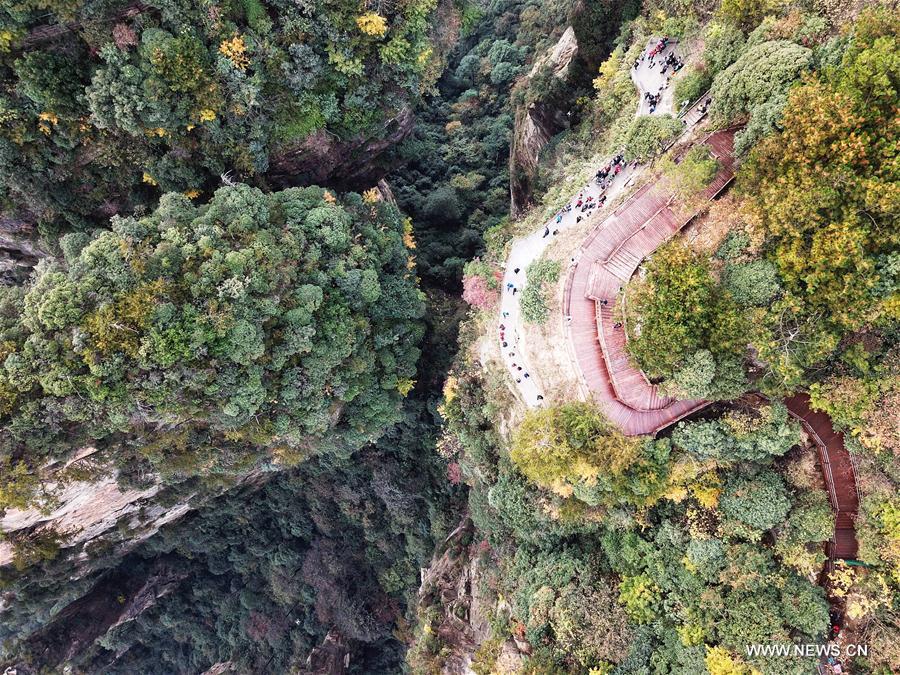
(838, 471)
(607, 259)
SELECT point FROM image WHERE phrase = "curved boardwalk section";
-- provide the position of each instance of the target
(837, 468)
(607, 260)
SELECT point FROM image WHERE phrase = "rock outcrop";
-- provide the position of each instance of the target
(19, 249)
(332, 657)
(537, 121)
(454, 585)
(352, 163)
(88, 512)
(117, 598)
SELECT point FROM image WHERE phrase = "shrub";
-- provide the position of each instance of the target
(723, 44)
(692, 82)
(681, 311)
(533, 301)
(693, 173)
(558, 446)
(740, 435)
(760, 502)
(757, 85)
(647, 136)
(752, 284)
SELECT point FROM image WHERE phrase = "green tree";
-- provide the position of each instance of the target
(639, 596)
(759, 503)
(682, 310)
(751, 434)
(540, 274)
(572, 448)
(693, 172)
(267, 318)
(752, 284)
(826, 203)
(647, 136)
(757, 85)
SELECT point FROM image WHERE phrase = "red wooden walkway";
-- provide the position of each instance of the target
(837, 468)
(606, 261)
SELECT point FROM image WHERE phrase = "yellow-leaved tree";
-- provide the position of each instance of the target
(572, 449)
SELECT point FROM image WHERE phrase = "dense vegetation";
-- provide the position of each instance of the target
(455, 181)
(610, 554)
(826, 196)
(262, 573)
(199, 335)
(168, 96)
(251, 348)
(664, 534)
(692, 331)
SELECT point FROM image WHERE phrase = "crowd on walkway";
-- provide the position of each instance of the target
(649, 76)
(667, 62)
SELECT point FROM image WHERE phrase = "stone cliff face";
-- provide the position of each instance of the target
(87, 512)
(19, 249)
(90, 512)
(536, 122)
(99, 522)
(332, 657)
(455, 585)
(324, 159)
(116, 599)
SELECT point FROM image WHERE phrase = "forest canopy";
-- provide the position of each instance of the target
(262, 318)
(169, 95)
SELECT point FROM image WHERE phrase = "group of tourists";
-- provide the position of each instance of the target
(610, 171)
(671, 61)
(519, 373)
(657, 49)
(654, 99)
